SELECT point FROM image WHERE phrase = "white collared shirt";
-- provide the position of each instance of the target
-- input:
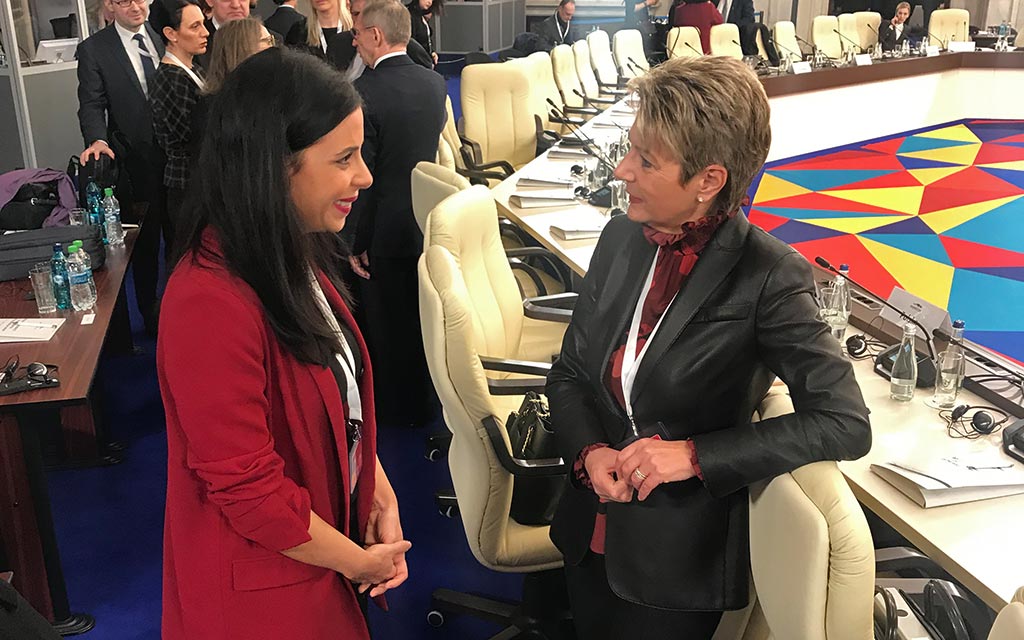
(131, 47)
(393, 54)
(899, 30)
(216, 25)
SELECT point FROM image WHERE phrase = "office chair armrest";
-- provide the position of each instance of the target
(525, 367)
(600, 100)
(573, 121)
(587, 111)
(973, 611)
(554, 308)
(472, 156)
(511, 229)
(907, 563)
(612, 90)
(481, 177)
(519, 466)
(560, 268)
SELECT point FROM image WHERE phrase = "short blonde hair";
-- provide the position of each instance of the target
(903, 5)
(391, 17)
(703, 111)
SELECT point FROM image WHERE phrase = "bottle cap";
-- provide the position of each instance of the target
(73, 248)
(108, 191)
(844, 267)
(57, 246)
(958, 324)
(910, 329)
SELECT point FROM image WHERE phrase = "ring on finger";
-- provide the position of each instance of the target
(639, 474)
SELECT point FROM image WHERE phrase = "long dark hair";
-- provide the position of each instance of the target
(274, 105)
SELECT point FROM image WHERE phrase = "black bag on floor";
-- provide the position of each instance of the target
(21, 250)
(534, 499)
(30, 206)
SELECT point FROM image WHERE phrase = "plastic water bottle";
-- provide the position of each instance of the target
(903, 378)
(82, 296)
(87, 261)
(1004, 29)
(59, 273)
(93, 203)
(112, 219)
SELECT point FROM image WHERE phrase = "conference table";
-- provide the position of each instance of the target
(976, 541)
(27, 536)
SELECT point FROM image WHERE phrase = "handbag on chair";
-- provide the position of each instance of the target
(534, 500)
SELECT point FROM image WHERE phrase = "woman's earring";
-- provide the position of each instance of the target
(700, 198)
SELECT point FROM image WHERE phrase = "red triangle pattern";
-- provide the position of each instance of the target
(1017, 138)
(887, 146)
(991, 153)
(853, 156)
(973, 179)
(766, 221)
(901, 179)
(864, 267)
(815, 200)
(873, 161)
(965, 254)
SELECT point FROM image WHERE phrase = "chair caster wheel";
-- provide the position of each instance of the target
(435, 618)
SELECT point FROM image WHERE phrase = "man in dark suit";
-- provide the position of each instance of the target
(738, 12)
(404, 112)
(286, 17)
(221, 13)
(115, 68)
(556, 29)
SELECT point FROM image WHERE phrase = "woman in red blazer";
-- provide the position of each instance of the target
(278, 512)
(697, 13)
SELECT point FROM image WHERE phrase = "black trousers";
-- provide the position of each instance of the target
(175, 197)
(599, 614)
(403, 392)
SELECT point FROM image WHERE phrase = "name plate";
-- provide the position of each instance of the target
(862, 59)
(961, 47)
(931, 51)
(801, 67)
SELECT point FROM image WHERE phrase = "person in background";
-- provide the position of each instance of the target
(175, 92)
(279, 514)
(738, 12)
(116, 67)
(420, 14)
(285, 17)
(687, 315)
(405, 112)
(557, 29)
(221, 13)
(697, 13)
(638, 16)
(326, 34)
(893, 33)
(238, 41)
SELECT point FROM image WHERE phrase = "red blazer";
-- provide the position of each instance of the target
(702, 15)
(255, 440)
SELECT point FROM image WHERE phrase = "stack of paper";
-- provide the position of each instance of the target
(954, 479)
(28, 329)
(568, 153)
(542, 198)
(545, 182)
(582, 231)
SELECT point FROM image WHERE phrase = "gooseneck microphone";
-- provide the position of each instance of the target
(592, 101)
(584, 140)
(850, 40)
(775, 43)
(825, 264)
(691, 47)
(637, 69)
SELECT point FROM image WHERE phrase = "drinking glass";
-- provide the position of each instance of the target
(949, 372)
(619, 196)
(833, 311)
(42, 287)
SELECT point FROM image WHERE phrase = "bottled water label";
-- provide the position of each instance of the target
(902, 390)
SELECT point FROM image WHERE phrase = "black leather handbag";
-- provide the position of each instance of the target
(534, 499)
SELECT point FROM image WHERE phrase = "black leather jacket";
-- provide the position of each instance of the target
(745, 314)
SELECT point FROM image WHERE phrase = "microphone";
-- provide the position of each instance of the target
(578, 134)
(825, 264)
(577, 92)
(942, 41)
(699, 53)
(779, 45)
(637, 69)
(841, 35)
(814, 49)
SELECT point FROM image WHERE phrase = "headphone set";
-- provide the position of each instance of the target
(858, 346)
(978, 425)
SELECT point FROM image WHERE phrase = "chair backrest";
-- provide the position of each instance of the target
(1019, 41)
(542, 86)
(601, 57)
(824, 36)
(448, 147)
(725, 40)
(432, 183)
(584, 69)
(868, 23)
(1009, 624)
(497, 112)
(810, 544)
(683, 42)
(759, 41)
(784, 34)
(628, 51)
(563, 64)
(948, 25)
(848, 31)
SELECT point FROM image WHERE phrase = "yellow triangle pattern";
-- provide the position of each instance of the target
(774, 188)
(964, 154)
(903, 199)
(928, 176)
(1015, 165)
(925, 278)
(959, 132)
(854, 225)
(945, 219)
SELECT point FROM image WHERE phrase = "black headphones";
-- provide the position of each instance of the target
(858, 346)
(982, 422)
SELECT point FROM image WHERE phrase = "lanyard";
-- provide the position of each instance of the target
(630, 358)
(558, 25)
(323, 40)
(174, 59)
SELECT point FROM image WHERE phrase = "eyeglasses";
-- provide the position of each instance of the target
(128, 3)
(356, 32)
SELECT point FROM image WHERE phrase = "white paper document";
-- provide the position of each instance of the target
(542, 198)
(28, 329)
(568, 153)
(953, 479)
(537, 181)
(582, 231)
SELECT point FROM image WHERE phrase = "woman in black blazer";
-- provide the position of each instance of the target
(686, 316)
(894, 32)
(420, 14)
(327, 34)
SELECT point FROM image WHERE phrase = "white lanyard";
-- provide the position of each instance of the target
(174, 59)
(630, 358)
(323, 40)
(558, 25)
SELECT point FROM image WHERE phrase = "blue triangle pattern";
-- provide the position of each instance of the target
(815, 214)
(1016, 178)
(795, 231)
(824, 179)
(1010, 343)
(1012, 273)
(923, 163)
(910, 225)
(986, 302)
(915, 143)
(997, 228)
(926, 246)
(992, 131)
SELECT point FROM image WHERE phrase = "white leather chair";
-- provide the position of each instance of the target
(592, 88)
(431, 183)
(849, 38)
(811, 555)
(449, 146)
(574, 97)
(542, 89)
(1019, 41)
(725, 41)
(1009, 624)
(825, 38)
(948, 25)
(683, 42)
(601, 58)
(628, 51)
(784, 34)
(868, 23)
(498, 119)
